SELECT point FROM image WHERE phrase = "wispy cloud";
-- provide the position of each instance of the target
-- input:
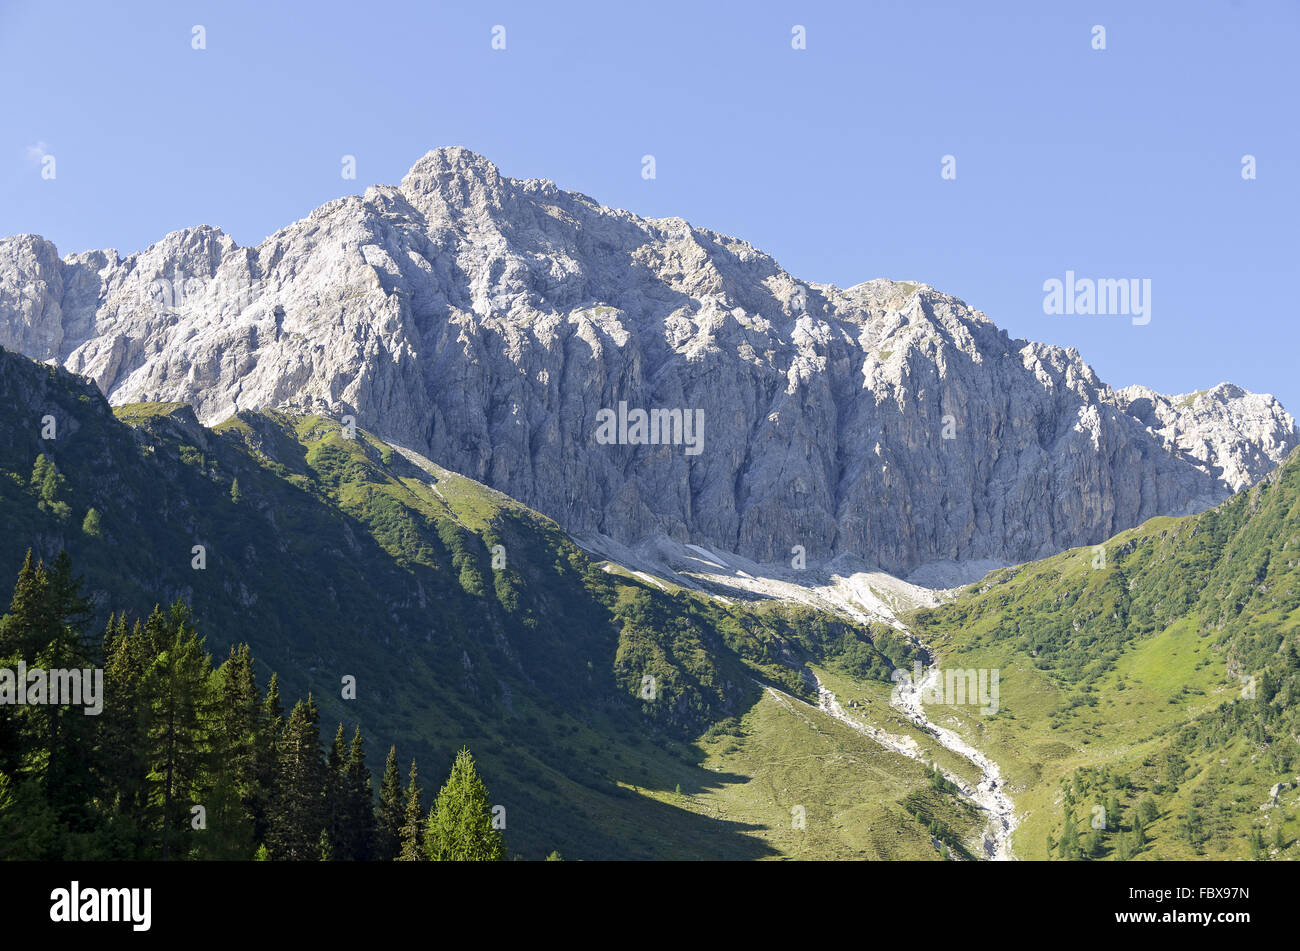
(37, 152)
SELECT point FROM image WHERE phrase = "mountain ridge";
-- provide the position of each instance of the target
(484, 321)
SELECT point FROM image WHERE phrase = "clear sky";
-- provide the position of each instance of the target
(1117, 163)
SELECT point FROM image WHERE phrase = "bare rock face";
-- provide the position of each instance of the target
(1235, 435)
(486, 322)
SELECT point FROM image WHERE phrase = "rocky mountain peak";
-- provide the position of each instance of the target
(486, 322)
(446, 180)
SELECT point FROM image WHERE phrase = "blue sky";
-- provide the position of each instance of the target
(1116, 163)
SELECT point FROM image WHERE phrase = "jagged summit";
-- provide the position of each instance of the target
(485, 321)
(452, 177)
(451, 161)
(1236, 434)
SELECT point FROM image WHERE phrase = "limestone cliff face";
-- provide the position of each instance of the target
(486, 321)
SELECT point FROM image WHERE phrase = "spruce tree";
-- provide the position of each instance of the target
(122, 728)
(92, 524)
(412, 847)
(71, 610)
(231, 817)
(237, 721)
(23, 631)
(460, 822)
(28, 626)
(49, 484)
(1123, 852)
(336, 795)
(176, 738)
(272, 709)
(1094, 844)
(1147, 810)
(359, 819)
(270, 727)
(388, 834)
(65, 742)
(297, 813)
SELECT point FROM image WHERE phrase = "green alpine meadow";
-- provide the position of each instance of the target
(1149, 684)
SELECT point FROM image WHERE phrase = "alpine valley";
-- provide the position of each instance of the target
(382, 428)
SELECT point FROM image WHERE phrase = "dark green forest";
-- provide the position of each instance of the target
(185, 760)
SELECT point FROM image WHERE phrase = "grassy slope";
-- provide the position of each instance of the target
(1123, 682)
(852, 790)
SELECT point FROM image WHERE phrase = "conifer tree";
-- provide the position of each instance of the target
(297, 807)
(389, 819)
(1123, 852)
(1093, 844)
(59, 739)
(269, 729)
(48, 484)
(237, 721)
(1147, 810)
(28, 626)
(412, 848)
(71, 610)
(23, 631)
(92, 524)
(460, 827)
(177, 685)
(360, 810)
(236, 788)
(272, 709)
(336, 794)
(40, 472)
(122, 727)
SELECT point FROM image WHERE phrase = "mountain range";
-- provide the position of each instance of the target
(486, 322)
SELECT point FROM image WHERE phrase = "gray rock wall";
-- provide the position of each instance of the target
(487, 321)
